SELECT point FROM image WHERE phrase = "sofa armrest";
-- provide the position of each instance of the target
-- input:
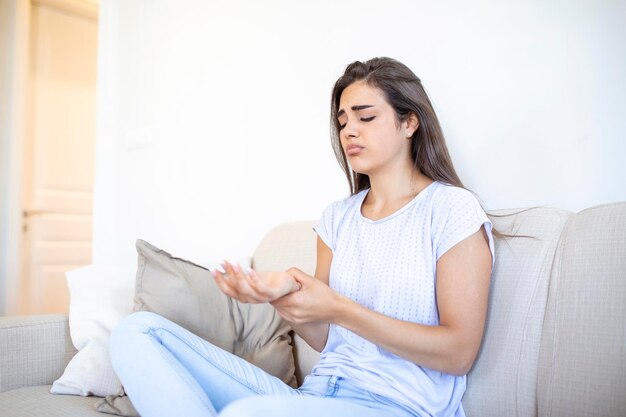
(34, 350)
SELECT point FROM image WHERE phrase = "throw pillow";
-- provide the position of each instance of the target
(100, 296)
(186, 294)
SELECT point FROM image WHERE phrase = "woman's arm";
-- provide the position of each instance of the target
(462, 289)
(315, 334)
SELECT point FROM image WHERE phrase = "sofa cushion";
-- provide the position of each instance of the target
(37, 401)
(583, 360)
(295, 242)
(503, 379)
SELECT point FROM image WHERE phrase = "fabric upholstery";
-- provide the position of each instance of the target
(287, 245)
(583, 353)
(36, 401)
(34, 350)
(503, 379)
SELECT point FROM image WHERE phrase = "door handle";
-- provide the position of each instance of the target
(35, 212)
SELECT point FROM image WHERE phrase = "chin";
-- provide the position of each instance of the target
(361, 168)
(358, 170)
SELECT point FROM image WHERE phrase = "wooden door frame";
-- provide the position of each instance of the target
(13, 136)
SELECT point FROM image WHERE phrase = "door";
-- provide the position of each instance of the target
(58, 165)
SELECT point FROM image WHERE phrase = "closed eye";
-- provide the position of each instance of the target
(363, 119)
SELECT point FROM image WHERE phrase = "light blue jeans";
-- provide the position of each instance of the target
(168, 371)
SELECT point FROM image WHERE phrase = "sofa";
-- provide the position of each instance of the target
(554, 343)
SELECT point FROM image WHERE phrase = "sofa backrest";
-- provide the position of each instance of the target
(503, 379)
(582, 367)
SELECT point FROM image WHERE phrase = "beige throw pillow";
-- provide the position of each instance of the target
(186, 294)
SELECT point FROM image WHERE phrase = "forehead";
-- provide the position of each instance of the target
(360, 93)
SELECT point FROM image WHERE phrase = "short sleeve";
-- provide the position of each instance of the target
(461, 216)
(324, 227)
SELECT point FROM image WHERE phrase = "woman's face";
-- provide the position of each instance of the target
(371, 137)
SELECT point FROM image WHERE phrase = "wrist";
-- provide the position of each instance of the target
(339, 307)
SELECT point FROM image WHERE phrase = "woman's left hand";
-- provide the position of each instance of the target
(316, 302)
(251, 286)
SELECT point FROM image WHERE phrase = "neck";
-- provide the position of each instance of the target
(393, 184)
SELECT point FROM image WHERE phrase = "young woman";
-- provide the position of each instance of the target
(398, 302)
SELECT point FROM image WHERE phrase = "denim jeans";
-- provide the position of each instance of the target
(168, 371)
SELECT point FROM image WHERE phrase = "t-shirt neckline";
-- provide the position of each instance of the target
(394, 214)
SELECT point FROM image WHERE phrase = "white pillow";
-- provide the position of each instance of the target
(100, 296)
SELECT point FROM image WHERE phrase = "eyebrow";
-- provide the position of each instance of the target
(355, 108)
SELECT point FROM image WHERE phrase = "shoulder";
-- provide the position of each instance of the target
(448, 198)
(455, 208)
(333, 218)
(457, 214)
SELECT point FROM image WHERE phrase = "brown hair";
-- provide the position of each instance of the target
(403, 90)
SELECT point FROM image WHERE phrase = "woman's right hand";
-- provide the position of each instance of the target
(254, 287)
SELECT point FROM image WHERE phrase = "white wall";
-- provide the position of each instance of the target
(213, 116)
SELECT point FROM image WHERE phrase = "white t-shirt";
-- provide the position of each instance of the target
(389, 266)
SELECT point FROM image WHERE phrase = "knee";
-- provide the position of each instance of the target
(123, 335)
(139, 321)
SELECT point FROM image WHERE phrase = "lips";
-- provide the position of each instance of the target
(352, 150)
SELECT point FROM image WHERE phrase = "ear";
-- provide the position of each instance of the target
(410, 124)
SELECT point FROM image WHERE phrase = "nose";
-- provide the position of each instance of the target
(350, 130)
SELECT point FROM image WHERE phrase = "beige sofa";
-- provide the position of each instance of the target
(555, 341)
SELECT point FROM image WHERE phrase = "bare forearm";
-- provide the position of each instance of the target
(444, 348)
(315, 334)
(436, 347)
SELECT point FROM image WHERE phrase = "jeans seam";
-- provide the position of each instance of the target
(243, 382)
(331, 390)
(203, 396)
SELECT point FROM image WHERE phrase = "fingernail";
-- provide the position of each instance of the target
(235, 266)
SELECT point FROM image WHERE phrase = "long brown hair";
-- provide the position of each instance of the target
(403, 90)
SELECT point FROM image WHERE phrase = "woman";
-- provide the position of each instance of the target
(399, 316)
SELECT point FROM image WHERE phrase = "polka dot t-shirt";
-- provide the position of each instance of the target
(389, 266)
